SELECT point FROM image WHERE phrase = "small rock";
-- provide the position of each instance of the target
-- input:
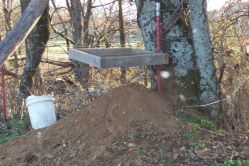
(131, 145)
(39, 135)
(183, 148)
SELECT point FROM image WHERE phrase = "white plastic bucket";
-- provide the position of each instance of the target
(41, 111)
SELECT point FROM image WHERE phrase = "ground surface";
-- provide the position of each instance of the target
(130, 126)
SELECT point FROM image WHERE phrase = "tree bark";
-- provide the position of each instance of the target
(35, 45)
(186, 77)
(81, 69)
(176, 42)
(86, 17)
(121, 38)
(203, 51)
(7, 14)
(147, 24)
(7, 10)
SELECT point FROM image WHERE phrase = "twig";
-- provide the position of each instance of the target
(212, 132)
(106, 109)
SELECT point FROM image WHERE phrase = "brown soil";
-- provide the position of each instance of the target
(116, 129)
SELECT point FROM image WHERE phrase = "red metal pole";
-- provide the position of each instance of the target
(158, 48)
(4, 116)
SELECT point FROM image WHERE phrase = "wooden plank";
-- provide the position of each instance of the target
(139, 51)
(22, 28)
(132, 61)
(102, 52)
(84, 57)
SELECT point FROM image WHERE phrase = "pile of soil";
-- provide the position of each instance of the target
(122, 128)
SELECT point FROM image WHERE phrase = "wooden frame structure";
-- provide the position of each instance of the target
(117, 57)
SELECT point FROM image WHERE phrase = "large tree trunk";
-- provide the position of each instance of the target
(81, 69)
(186, 78)
(176, 41)
(203, 51)
(35, 45)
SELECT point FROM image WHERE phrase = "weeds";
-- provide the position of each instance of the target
(133, 136)
(201, 146)
(141, 152)
(233, 163)
(169, 163)
(191, 134)
(83, 164)
(13, 128)
(201, 122)
(164, 151)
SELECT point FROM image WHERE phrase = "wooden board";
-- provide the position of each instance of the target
(117, 57)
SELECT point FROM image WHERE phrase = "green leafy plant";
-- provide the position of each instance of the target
(169, 163)
(13, 128)
(201, 146)
(133, 136)
(201, 122)
(141, 152)
(235, 163)
(164, 151)
(190, 134)
(83, 164)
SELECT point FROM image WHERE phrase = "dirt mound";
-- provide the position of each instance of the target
(89, 136)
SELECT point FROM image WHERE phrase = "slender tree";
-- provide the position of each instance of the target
(121, 37)
(7, 12)
(35, 45)
(81, 69)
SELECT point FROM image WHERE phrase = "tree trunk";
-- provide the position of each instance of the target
(147, 24)
(185, 75)
(35, 45)
(176, 43)
(121, 38)
(7, 7)
(81, 69)
(86, 17)
(7, 14)
(203, 51)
